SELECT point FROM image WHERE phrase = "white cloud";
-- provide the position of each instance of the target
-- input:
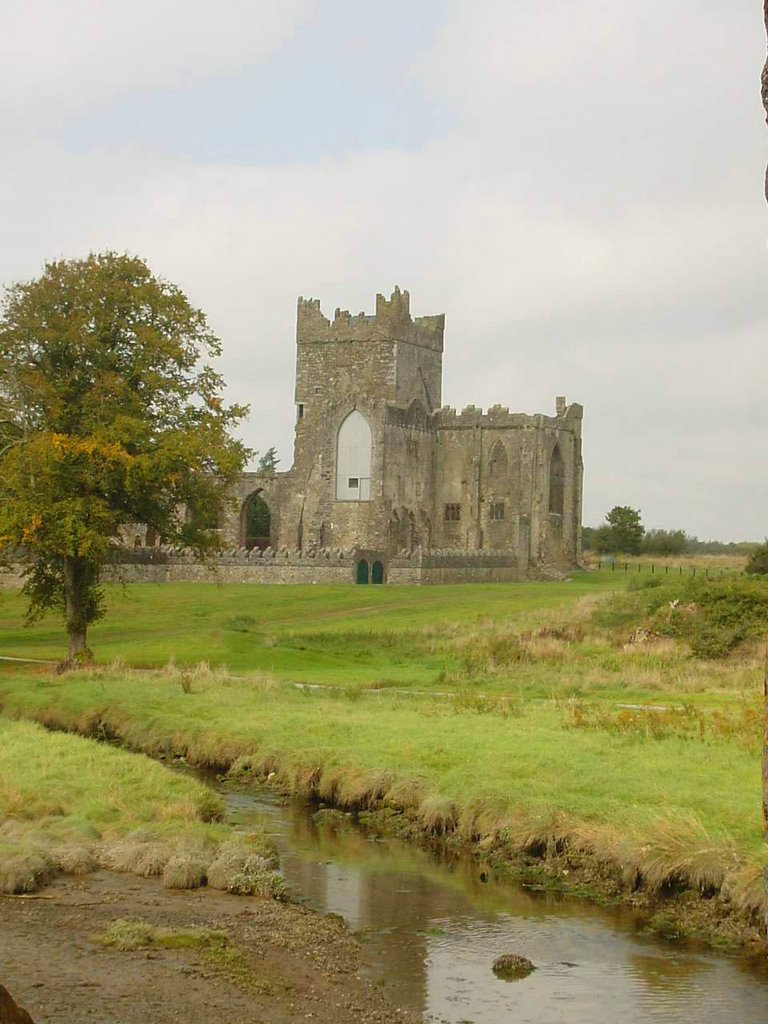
(613, 258)
(81, 52)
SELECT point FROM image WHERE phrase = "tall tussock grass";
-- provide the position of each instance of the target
(69, 805)
(740, 725)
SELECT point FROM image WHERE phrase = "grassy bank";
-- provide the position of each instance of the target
(341, 635)
(659, 807)
(71, 804)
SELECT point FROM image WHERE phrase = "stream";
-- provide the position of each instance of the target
(431, 926)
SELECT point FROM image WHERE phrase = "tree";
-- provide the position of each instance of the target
(626, 529)
(603, 540)
(268, 462)
(108, 417)
(664, 542)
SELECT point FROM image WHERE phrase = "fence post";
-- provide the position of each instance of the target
(626, 567)
(653, 568)
(681, 570)
(693, 570)
(666, 570)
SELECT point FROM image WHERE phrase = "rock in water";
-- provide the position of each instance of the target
(10, 1013)
(511, 967)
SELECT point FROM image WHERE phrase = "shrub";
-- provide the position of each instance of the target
(712, 616)
(757, 564)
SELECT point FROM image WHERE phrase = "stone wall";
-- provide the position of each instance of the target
(159, 565)
(437, 567)
(505, 460)
(284, 567)
(237, 566)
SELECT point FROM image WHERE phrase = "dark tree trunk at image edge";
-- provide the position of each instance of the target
(77, 599)
(764, 84)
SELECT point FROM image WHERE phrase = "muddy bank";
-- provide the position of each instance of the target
(674, 912)
(284, 963)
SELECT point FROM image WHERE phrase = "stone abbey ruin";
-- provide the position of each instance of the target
(387, 484)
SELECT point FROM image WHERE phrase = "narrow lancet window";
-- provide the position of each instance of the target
(556, 482)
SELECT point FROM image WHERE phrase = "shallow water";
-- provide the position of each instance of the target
(431, 927)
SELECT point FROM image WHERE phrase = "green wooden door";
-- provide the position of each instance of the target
(362, 571)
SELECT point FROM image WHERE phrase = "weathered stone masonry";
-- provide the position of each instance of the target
(382, 473)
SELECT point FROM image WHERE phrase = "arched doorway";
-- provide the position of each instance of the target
(256, 522)
(377, 573)
(362, 571)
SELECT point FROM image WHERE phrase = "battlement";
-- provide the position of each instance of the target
(392, 321)
(447, 418)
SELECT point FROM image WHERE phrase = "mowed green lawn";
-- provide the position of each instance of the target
(325, 634)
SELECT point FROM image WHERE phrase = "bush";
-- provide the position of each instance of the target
(757, 563)
(664, 542)
(712, 616)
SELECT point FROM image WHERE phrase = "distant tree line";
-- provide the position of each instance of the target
(624, 533)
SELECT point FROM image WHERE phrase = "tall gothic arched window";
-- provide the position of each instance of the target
(498, 463)
(256, 522)
(556, 482)
(353, 459)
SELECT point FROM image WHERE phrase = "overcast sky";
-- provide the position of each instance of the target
(576, 184)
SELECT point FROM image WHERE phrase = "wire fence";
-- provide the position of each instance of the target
(706, 572)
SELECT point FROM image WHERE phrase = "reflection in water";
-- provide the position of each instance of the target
(431, 929)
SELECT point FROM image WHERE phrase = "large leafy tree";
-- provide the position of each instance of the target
(109, 415)
(625, 528)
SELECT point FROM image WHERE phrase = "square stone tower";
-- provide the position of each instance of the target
(366, 388)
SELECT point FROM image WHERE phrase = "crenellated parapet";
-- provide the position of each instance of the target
(391, 321)
(499, 416)
(161, 555)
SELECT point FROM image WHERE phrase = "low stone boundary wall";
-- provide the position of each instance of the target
(159, 565)
(454, 567)
(222, 572)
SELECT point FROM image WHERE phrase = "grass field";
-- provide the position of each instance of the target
(532, 640)
(343, 635)
(520, 714)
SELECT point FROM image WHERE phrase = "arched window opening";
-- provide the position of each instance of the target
(556, 482)
(257, 522)
(353, 459)
(498, 464)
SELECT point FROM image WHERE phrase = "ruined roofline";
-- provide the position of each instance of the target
(392, 321)
(567, 417)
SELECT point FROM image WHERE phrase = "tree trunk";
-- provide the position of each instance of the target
(765, 769)
(764, 85)
(76, 594)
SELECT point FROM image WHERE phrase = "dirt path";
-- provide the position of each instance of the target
(291, 964)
